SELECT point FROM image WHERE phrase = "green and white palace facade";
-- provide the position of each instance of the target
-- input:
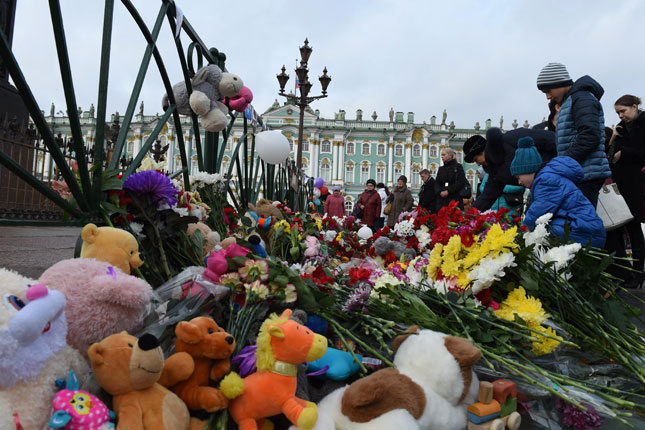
(343, 151)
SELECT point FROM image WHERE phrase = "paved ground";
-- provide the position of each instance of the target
(31, 250)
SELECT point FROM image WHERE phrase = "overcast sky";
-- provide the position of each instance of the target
(476, 59)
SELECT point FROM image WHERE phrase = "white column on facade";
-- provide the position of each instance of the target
(408, 157)
(390, 160)
(424, 153)
(341, 161)
(334, 158)
(138, 142)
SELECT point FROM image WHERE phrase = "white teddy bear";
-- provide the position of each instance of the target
(33, 351)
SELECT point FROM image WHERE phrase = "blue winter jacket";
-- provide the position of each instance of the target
(554, 191)
(580, 128)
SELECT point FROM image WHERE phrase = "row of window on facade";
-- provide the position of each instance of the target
(366, 148)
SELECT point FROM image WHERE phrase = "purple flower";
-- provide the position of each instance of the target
(358, 299)
(246, 360)
(154, 186)
(576, 418)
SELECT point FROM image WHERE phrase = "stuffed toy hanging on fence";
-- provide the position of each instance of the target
(282, 345)
(210, 85)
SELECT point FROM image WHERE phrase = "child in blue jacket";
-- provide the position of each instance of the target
(553, 190)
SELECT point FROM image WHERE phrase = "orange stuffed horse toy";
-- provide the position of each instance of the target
(282, 344)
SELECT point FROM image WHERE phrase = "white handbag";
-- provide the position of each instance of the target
(612, 208)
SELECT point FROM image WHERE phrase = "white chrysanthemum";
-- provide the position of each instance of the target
(561, 255)
(489, 270)
(136, 228)
(181, 211)
(414, 276)
(423, 236)
(201, 179)
(404, 228)
(544, 219)
(538, 236)
(386, 280)
(441, 286)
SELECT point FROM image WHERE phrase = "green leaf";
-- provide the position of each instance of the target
(111, 184)
(111, 207)
(614, 312)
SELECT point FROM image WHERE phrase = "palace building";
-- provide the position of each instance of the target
(343, 151)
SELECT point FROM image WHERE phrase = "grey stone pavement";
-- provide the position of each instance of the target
(31, 250)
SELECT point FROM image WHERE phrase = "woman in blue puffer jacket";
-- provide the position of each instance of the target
(554, 190)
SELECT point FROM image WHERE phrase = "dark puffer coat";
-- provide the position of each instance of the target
(499, 153)
(580, 128)
(554, 190)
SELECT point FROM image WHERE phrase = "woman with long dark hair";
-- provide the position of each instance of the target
(627, 158)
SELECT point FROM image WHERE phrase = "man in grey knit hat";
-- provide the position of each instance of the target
(580, 124)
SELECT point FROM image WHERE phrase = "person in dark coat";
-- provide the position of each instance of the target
(427, 196)
(495, 153)
(580, 124)
(401, 199)
(627, 158)
(554, 190)
(451, 180)
(370, 202)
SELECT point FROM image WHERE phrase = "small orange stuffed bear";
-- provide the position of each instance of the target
(210, 348)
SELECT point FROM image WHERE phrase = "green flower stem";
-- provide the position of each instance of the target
(349, 349)
(365, 346)
(565, 380)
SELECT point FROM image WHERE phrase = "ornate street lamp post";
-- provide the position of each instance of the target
(302, 101)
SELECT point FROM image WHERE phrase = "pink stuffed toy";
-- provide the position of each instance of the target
(313, 246)
(101, 299)
(242, 100)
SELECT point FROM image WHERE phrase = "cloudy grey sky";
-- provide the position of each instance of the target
(476, 59)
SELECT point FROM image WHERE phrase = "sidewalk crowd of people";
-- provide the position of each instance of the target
(564, 161)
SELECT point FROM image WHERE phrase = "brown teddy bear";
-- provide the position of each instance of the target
(266, 209)
(112, 245)
(210, 348)
(129, 368)
(211, 238)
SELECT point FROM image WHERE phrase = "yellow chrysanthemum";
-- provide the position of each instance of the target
(463, 280)
(526, 307)
(284, 226)
(339, 236)
(318, 224)
(451, 265)
(544, 345)
(434, 261)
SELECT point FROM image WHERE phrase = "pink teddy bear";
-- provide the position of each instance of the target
(313, 246)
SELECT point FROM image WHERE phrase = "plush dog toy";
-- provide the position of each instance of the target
(112, 245)
(431, 388)
(129, 368)
(210, 85)
(101, 299)
(281, 345)
(33, 351)
(209, 348)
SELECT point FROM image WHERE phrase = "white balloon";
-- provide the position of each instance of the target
(316, 192)
(364, 232)
(272, 146)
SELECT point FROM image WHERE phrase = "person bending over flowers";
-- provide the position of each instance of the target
(554, 190)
